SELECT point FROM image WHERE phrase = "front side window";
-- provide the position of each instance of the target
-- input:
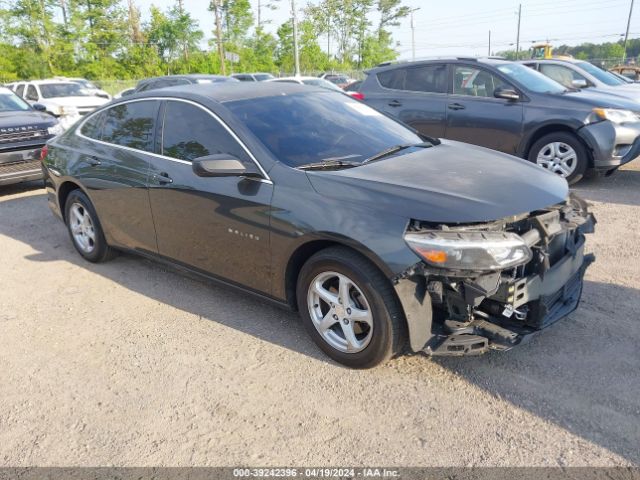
(475, 82)
(131, 125)
(189, 132)
(561, 74)
(319, 126)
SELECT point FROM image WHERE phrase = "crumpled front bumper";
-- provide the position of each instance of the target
(612, 145)
(450, 315)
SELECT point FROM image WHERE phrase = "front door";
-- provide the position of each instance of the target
(476, 116)
(219, 225)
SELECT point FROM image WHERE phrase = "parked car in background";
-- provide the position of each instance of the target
(353, 89)
(23, 132)
(125, 92)
(313, 81)
(64, 99)
(580, 74)
(622, 77)
(87, 85)
(155, 83)
(339, 79)
(379, 237)
(511, 108)
(252, 77)
(631, 72)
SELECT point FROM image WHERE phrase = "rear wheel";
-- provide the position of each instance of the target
(349, 308)
(561, 153)
(84, 228)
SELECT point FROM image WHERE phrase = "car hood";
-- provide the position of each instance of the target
(604, 98)
(26, 119)
(449, 183)
(90, 101)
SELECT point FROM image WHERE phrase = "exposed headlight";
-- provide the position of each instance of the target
(615, 115)
(65, 111)
(55, 129)
(469, 250)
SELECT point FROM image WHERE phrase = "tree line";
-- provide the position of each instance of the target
(107, 39)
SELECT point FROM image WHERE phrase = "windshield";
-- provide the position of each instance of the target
(321, 126)
(86, 84)
(10, 102)
(55, 90)
(530, 79)
(319, 82)
(602, 75)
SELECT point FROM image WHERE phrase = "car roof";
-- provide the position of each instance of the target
(430, 60)
(553, 60)
(5, 90)
(294, 78)
(194, 76)
(230, 91)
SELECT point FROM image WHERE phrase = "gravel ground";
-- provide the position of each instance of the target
(128, 363)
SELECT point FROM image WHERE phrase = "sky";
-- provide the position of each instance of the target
(462, 27)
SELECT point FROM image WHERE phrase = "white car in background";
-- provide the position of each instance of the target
(313, 81)
(87, 85)
(66, 100)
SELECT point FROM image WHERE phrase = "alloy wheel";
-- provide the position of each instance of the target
(340, 312)
(82, 228)
(559, 158)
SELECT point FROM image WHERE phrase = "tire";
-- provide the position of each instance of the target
(558, 160)
(87, 237)
(375, 340)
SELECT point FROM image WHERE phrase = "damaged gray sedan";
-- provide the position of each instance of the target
(384, 240)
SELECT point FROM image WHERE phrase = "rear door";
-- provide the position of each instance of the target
(476, 116)
(415, 95)
(219, 225)
(115, 148)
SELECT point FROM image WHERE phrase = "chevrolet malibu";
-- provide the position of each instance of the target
(385, 241)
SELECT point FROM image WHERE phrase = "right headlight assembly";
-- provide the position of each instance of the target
(467, 250)
(614, 115)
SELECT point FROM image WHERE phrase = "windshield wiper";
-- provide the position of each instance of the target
(395, 149)
(328, 165)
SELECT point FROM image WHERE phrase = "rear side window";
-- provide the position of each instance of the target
(92, 128)
(131, 125)
(189, 132)
(427, 78)
(20, 90)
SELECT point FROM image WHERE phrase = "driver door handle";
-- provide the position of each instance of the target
(456, 106)
(395, 103)
(162, 178)
(93, 161)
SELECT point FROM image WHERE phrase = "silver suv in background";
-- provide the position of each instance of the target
(573, 73)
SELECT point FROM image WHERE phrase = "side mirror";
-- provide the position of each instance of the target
(39, 107)
(579, 83)
(506, 93)
(223, 165)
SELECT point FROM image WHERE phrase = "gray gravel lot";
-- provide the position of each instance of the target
(128, 363)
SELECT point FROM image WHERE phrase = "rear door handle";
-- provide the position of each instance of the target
(162, 178)
(395, 103)
(456, 106)
(93, 161)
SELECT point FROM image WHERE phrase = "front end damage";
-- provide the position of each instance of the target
(462, 311)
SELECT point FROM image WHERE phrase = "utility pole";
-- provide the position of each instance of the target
(626, 35)
(413, 35)
(216, 10)
(296, 54)
(518, 36)
(489, 51)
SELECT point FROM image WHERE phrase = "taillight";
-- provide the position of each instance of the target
(357, 95)
(43, 152)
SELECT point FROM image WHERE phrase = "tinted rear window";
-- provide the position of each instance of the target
(131, 125)
(427, 78)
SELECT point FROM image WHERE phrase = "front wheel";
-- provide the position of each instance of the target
(561, 153)
(349, 308)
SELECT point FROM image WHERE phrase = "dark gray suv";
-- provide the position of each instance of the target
(508, 107)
